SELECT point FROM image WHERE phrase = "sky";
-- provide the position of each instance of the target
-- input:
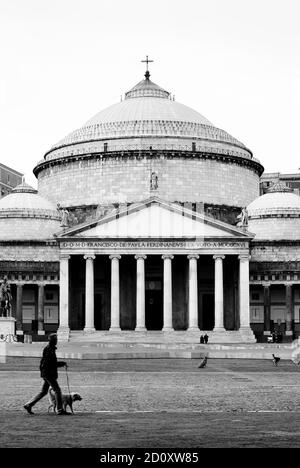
(234, 61)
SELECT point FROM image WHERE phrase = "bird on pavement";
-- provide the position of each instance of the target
(276, 360)
(203, 363)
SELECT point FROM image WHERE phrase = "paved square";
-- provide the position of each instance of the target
(156, 403)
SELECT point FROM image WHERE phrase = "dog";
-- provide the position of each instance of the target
(67, 400)
(276, 360)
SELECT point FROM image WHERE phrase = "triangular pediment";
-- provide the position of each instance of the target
(155, 218)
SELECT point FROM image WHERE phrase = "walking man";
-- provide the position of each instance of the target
(48, 368)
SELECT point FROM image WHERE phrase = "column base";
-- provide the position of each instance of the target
(247, 334)
(140, 329)
(20, 332)
(41, 332)
(63, 333)
(89, 330)
(267, 332)
(193, 329)
(219, 330)
(168, 329)
(289, 333)
(114, 329)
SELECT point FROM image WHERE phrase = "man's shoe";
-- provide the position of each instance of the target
(64, 413)
(28, 409)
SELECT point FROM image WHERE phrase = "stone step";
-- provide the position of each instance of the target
(161, 337)
(91, 351)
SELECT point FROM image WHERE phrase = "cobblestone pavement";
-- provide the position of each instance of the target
(156, 403)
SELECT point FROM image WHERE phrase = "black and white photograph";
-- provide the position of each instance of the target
(149, 229)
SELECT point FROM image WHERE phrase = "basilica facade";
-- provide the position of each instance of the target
(147, 222)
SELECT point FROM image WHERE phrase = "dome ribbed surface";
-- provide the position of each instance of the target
(147, 88)
(275, 203)
(147, 117)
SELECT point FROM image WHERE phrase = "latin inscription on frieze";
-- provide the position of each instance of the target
(150, 244)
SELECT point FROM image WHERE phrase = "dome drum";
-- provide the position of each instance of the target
(125, 178)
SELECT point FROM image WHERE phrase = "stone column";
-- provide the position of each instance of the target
(115, 293)
(89, 293)
(219, 294)
(289, 308)
(41, 295)
(193, 293)
(63, 330)
(19, 314)
(267, 308)
(140, 292)
(168, 322)
(244, 292)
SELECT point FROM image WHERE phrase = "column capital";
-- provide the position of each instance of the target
(167, 256)
(64, 257)
(117, 256)
(266, 284)
(220, 256)
(138, 256)
(89, 256)
(193, 256)
(244, 257)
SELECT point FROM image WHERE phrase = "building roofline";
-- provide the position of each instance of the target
(11, 170)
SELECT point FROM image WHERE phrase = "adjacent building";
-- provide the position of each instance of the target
(9, 178)
(290, 180)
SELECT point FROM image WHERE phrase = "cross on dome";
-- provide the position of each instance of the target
(147, 61)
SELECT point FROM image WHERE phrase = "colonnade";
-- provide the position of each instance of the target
(167, 292)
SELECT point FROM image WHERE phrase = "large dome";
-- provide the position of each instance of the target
(111, 159)
(148, 117)
(276, 214)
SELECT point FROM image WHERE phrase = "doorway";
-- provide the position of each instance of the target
(99, 319)
(154, 309)
(208, 312)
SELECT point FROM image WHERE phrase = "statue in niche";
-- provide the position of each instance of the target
(64, 215)
(243, 218)
(154, 181)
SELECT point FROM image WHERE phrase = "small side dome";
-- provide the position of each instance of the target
(25, 215)
(276, 214)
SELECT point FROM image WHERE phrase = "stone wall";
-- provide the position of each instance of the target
(127, 180)
(27, 228)
(276, 228)
(29, 251)
(275, 251)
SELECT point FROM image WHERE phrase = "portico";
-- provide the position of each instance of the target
(159, 281)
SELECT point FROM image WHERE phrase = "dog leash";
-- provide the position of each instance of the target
(68, 380)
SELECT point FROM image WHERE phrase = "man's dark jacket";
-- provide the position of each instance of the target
(49, 363)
